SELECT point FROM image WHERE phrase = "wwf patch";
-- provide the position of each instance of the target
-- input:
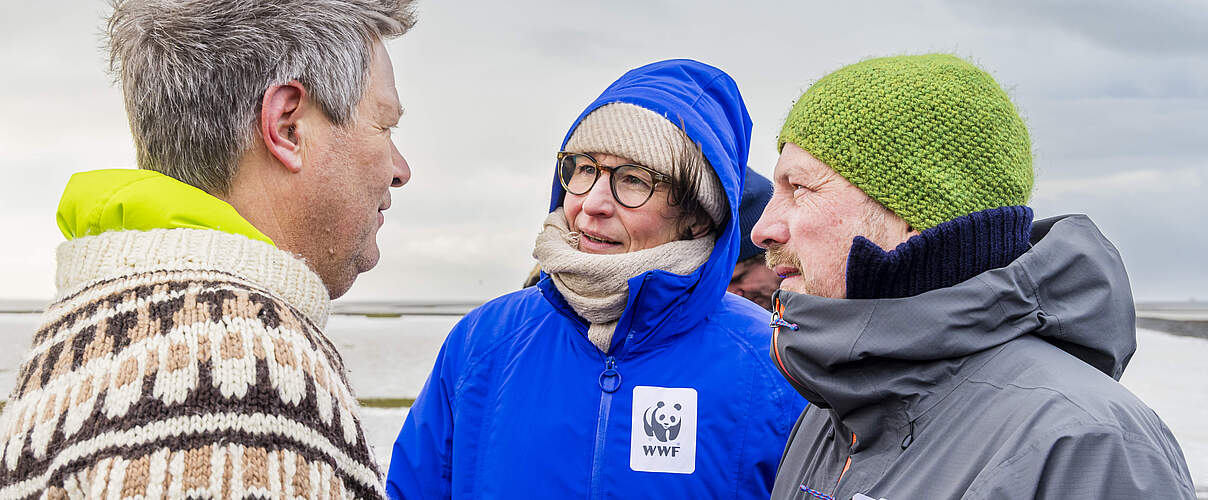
(663, 435)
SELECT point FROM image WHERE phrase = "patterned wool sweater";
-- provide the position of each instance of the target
(183, 363)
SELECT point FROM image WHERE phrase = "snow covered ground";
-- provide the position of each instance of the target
(391, 358)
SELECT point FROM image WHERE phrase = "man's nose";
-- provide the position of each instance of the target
(598, 201)
(402, 171)
(771, 228)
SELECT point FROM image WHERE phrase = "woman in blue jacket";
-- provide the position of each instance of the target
(628, 371)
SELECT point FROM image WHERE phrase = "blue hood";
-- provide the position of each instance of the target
(707, 103)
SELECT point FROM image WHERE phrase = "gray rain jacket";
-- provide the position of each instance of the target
(1002, 386)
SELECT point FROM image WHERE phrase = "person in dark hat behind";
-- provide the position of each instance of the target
(752, 277)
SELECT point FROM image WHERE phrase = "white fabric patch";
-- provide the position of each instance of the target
(663, 435)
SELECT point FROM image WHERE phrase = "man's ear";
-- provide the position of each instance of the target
(280, 124)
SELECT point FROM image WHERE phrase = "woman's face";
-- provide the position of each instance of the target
(606, 226)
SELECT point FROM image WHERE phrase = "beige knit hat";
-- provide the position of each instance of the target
(650, 140)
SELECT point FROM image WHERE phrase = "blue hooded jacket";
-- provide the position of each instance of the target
(685, 404)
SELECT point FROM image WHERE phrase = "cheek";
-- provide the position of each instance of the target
(572, 205)
(364, 161)
(369, 173)
(812, 237)
(652, 227)
(348, 210)
(383, 161)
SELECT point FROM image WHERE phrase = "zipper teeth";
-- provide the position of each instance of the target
(601, 432)
(846, 465)
(610, 362)
(779, 362)
(595, 490)
(778, 322)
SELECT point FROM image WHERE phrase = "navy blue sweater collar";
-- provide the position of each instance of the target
(939, 257)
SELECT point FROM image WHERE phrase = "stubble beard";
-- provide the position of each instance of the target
(810, 281)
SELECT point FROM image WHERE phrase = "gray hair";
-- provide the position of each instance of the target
(194, 72)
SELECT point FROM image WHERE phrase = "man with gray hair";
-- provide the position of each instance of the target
(184, 355)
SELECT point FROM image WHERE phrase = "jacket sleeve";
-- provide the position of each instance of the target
(1104, 463)
(421, 462)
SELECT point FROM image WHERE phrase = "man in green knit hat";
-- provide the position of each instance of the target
(951, 346)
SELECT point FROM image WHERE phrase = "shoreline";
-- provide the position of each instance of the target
(1185, 319)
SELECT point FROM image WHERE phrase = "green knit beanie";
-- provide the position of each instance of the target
(931, 137)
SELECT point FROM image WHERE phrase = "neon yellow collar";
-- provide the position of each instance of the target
(124, 199)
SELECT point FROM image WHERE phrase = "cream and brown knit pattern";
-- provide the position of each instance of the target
(123, 253)
(181, 378)
(649, 139)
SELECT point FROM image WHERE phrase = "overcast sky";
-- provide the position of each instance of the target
(1115, 95)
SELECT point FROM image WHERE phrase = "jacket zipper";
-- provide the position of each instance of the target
(846, 465)
(777, 322)
(610, 381)
(823, 496)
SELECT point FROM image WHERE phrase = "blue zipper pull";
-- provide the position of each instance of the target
(778, 315)
(777, 320)
(610, 378)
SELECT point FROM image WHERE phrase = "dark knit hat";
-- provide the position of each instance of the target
(756, 191)
(930, 137)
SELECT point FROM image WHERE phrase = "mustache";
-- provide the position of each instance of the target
(777, 255)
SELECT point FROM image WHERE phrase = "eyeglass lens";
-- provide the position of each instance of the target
(630, 185)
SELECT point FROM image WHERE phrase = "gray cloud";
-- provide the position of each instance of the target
(1154, 218)
(1156, 28)
(1106, 135)
(1116, 115)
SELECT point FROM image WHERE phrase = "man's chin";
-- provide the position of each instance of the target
(798, 284)
(360, 264)
(336, 291)
(367, 265)
(368, 259)
(795, 284)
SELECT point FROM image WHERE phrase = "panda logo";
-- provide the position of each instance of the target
(662, 422)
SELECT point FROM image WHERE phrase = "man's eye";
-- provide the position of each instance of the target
(587, 169)
(799, 189)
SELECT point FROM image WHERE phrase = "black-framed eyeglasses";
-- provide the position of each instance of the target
(631, 185)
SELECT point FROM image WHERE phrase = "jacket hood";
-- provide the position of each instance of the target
(1069, 289)
(708, 104)
(125, 199)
